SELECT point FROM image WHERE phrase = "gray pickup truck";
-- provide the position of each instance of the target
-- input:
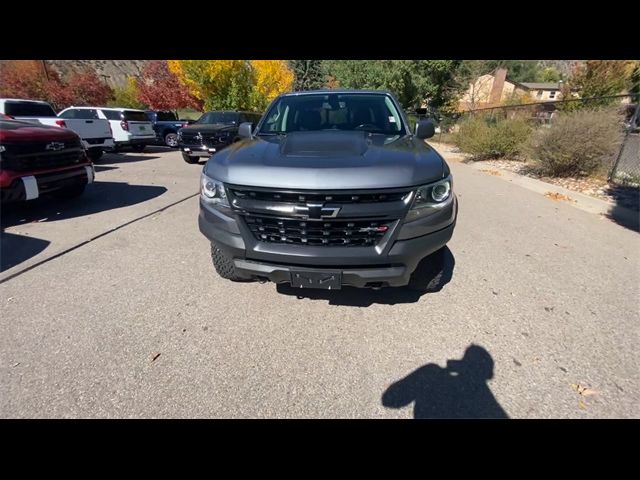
(330, 189)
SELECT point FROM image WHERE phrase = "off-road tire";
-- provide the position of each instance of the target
(223, 263)
(94, 154)
(429, 274)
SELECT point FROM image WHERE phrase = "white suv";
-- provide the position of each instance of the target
(130, 127)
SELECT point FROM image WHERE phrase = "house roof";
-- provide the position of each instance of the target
(541, 85)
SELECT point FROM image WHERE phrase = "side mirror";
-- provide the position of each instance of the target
(425, 129)
(245, 130)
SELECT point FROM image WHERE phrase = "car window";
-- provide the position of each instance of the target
(134, 116)
(112, 114)
(371, 112)
(226, 118)
(166, 117)
(86, 113)
(28, 109)
(68, 113)
(151, 116)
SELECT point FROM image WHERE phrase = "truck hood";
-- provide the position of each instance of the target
(327, 160)
(21, 131)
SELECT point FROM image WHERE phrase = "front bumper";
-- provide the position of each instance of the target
(17, 187)
(359, 266)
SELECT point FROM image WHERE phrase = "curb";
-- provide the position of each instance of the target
(622, 215)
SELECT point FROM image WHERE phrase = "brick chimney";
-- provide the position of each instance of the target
(500, 75)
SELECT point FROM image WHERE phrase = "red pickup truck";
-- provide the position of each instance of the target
(36, 160)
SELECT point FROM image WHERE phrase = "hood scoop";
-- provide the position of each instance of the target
(328, 143)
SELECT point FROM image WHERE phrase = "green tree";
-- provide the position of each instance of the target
(599, 78)
(412, 81)
(308, 74)
(518, 70)
(550, 74)
(220, 84)
(127, 96)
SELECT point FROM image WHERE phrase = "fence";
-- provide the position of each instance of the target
(625, 166)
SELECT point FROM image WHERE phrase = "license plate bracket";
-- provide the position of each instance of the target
(316, 279)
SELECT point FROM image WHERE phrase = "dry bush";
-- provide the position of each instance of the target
(485, 138)
(577, 143)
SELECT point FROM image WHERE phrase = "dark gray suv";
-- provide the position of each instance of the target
(330, 189)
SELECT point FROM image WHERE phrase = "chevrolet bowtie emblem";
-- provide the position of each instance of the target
(316, 211)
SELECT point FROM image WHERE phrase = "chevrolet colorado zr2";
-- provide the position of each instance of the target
(330, 189)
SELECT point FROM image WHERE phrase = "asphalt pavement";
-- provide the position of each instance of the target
(110, 307)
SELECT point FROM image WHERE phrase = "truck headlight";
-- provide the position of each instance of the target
(434, 195)
(212, 191)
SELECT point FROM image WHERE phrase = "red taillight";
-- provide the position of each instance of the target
(125, 125)
(61, 123)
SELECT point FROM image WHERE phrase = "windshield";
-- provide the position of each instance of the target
(370, 112)
(28, 109)
(226, 118)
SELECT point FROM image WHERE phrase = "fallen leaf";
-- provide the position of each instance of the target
(558, 196)
(492, 172)
(155, 357)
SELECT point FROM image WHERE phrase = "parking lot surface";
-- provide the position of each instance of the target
(111, 308)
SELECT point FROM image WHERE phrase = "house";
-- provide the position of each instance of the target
(543, 91)
(494, 89)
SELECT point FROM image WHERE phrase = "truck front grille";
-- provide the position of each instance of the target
(19, 162)
(301, 197)
(350, 233)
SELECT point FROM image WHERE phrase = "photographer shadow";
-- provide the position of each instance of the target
(458, 391)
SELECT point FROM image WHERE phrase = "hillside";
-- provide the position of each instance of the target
(114, 72)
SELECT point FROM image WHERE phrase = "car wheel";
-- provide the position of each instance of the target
(223, 263)
(70, 192)
(94, 154)
(171, 140)
(430, 272)
(138, 148)
(189, 158)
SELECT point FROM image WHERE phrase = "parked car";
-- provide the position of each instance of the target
(331, 188)
(211, 133)
(37, 159)
(96, 134)
(131, 128)
(166, 126)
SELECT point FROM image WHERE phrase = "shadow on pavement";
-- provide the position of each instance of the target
(458, 391)
(111, 158)
(626, 211)
(15, 249)
(98, 197)
(365, 297)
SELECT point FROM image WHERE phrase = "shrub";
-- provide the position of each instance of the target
(577, 143)
(486, 138)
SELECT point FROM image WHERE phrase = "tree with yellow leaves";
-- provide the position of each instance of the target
(272, 77)
(234, 84)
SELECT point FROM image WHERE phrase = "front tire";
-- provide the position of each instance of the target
(223, 263)
(94, 154)
(189, 158)
(171, 140)
(430, 272)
